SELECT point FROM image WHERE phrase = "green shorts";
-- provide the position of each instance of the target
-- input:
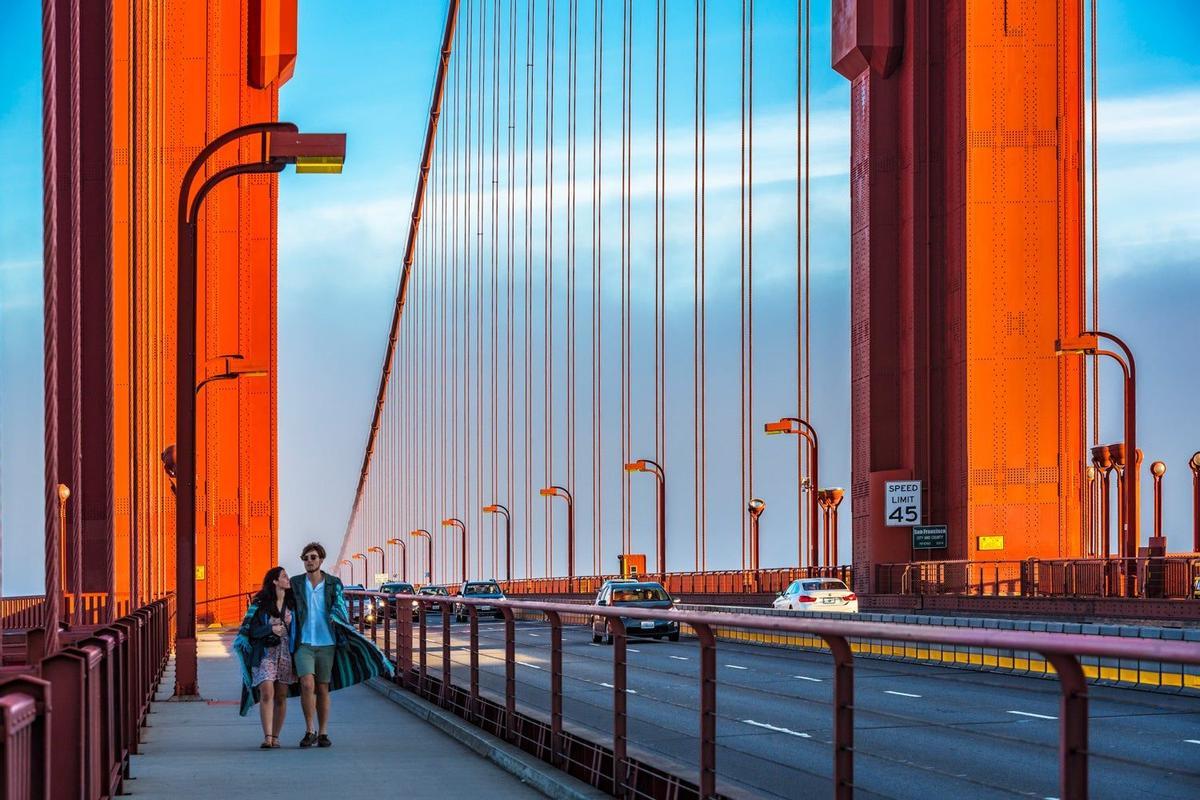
(315, 661)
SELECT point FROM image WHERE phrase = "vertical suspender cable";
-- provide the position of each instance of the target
(626, 64)
(597, 197)
(573, 112)
(493, 375)
(742, 371)
(1095, 233)
(548, 282)
(508, 295)
(528, 320)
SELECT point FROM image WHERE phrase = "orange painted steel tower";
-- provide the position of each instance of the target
(966, 266)
(133, 91)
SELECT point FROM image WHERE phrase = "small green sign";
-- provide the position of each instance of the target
(930, 537)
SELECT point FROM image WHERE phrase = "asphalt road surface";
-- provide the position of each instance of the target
(920, 731)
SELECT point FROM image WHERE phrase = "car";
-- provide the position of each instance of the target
(479, 590)
(396, 587)
(363, 609)
(817, 594)
(431, 590)
(635, 594)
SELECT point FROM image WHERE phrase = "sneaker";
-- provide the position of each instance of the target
(309, 739)
(323, 741)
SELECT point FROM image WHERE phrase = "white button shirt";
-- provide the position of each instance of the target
(316, 625)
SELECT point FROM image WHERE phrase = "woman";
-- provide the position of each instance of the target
(264, 645)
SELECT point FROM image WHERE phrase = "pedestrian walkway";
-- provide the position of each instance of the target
(205, 750)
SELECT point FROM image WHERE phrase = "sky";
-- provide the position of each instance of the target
(368, 71)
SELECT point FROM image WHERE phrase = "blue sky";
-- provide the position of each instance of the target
(368, 71)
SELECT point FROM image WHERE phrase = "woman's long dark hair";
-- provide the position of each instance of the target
(266, 596)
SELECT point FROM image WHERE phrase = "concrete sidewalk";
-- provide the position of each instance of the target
(205, 750)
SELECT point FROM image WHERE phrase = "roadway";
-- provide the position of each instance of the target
(920, 730)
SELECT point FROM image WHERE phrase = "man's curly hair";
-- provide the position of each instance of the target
(313, 546)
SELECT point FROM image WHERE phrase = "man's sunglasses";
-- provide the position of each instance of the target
(313, 557)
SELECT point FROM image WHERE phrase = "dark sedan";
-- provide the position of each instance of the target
(433, 590)
(396, 587)
(643, 594)
(479, 590)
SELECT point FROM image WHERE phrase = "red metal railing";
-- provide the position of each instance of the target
(1146, 577)
(625, 776)
(684, 583)
(102, 681)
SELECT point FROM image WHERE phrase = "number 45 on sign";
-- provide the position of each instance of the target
(902, 503)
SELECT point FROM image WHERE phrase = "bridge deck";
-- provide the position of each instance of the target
(205, 750)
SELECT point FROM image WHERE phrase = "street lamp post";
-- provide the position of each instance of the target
(403, 557)
(831, 499)
(795, 425)
(1102, 461)
(421, 532)
(1194, 466)
(755, 507)
(455, 522)
(1158, 469)
(362, 556)
(559, 491)
(382, 559)
(1088, 344)
(349, 564)
(646, 465)
(282, 144)
(496, 508)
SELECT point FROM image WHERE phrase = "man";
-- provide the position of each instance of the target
(330, 654)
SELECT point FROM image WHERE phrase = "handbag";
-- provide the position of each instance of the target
(271, 640)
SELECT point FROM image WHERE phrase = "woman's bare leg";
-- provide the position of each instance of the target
(266, 706)
(281, 696)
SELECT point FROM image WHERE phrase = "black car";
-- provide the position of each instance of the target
(395, 587)
(640, 594)
(434, 590)
(479, 590)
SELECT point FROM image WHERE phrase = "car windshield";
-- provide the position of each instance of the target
(433, 590)
(482, 588)
(397, 588)
(355, 587)
(826, 585)
(638, 594)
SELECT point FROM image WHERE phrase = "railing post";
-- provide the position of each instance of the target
(39, 734)
(556, 702)
(510, 675)
(620, 717)
(473, 708)
(390, 611)
(1072, 727)
(404, 644)
(424, 674)
(843, 716)
(708, 710)
(444, 695)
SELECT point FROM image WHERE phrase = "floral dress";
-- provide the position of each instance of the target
(276, 664)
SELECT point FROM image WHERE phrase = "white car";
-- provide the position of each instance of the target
(818, 594)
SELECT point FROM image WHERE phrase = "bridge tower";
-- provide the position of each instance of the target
(966, 266)
(134, 90)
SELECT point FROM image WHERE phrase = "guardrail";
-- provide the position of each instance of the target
(94, 693)
(1145, 577)
(613, 770)
(691, 583)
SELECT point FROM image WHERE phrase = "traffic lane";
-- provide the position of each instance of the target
(664, 717)
(761, 756)
(890, 686)
(952, 699)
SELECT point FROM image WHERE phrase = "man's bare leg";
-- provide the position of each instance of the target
(322, 706)
(308, 701)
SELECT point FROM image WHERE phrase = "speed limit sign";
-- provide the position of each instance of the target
(902, 503)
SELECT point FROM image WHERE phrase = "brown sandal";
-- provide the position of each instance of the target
(275, 743)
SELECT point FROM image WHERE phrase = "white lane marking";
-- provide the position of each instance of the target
(593, 644)
(535, 634)
(527, 664)
(735, 666)
(631, 650)
(776, 728)
(1192, 741)
(610, 686)
(902, 694)
(679, 658)
(806, 678)
(1029, 714)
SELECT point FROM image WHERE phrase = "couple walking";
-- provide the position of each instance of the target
(296, 639)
